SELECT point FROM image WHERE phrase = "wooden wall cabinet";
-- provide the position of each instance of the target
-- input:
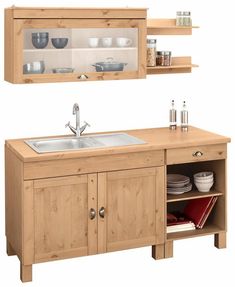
(78, 25)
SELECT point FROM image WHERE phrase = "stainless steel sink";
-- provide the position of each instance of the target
(82, 142)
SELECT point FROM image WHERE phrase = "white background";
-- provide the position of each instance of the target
(43, 109)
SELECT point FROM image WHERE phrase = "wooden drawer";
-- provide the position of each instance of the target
(63, 167)
(196, 153)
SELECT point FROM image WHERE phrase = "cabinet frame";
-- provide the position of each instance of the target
(14, 28)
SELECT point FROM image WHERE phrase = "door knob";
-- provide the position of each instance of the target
(102, 212)
(92, 214)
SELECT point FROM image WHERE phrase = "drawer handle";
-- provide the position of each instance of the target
(102, 212)
(92, 214)
(198, 154)
(83, 77)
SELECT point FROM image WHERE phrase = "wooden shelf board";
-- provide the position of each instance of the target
(179, 65)
(80, 49)
(207, 230)
(167, 27)
(192, 195)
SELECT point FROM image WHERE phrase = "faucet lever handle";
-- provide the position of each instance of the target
(86, 124)
(68, 124)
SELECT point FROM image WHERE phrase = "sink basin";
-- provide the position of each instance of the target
(83, 142)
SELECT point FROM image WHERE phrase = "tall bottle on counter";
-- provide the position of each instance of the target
(173, 116)
(184, 118)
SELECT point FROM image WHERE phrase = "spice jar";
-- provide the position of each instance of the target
(187, 18)
(163, 58)
(151, 52)
(179, 18)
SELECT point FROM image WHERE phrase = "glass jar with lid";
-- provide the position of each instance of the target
(151, 52)
(187, 21)
(179, 18)
(163, 58)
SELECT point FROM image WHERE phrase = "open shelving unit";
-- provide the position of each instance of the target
(216, 221)
(168, 27)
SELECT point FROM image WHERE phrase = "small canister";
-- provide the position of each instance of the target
(151, 52)
(163, 58)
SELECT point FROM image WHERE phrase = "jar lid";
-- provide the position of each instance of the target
(179, 13)
(187, 13)
(164, 53)
(151, 41)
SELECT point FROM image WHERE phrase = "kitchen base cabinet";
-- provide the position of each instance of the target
(64, 205)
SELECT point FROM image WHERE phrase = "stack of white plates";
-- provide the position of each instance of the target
(178, 184)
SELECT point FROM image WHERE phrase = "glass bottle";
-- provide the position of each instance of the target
(173, 116)
(184, 118)
(151, 52)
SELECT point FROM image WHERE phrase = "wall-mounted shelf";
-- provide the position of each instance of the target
(167, 27)
(179, 65)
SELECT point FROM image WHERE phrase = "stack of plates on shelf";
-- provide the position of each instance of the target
(178, 184)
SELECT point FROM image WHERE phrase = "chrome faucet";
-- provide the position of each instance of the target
(78, 130)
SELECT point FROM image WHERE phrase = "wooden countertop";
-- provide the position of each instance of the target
(155, 138)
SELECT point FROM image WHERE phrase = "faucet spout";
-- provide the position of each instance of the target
(76, 112)
(78, 130)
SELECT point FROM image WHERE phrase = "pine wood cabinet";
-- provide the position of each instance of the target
(65, 205)
(80, 54)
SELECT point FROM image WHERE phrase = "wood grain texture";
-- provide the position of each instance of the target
(74, 12)
(14, 201)
(28, 223)
(185, 155)
(61, 217)
(220, 240)
(93, 223)
(142, 35)
(92, 164)
(167, 27)
(15, 46)
(102, 222)
(160, 204)
(8, 47)
(10, 250)
(26, 273)
(130, 204)
(155, 138)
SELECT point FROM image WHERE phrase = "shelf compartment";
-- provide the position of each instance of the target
(192, 195)
(207, 230)
(179, 65)
(167, 27)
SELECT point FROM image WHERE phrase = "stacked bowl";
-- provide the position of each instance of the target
(40, 40)
(204, 180)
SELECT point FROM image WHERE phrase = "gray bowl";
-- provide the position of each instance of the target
(59, 43)
(40, 40)
(37, 67)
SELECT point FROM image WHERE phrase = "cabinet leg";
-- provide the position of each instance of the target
(25, 273)
(162, 251)
(169, 249)
(158, 251)
(10, 250)
(220, 240)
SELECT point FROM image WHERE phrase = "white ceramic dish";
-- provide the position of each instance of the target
(203, 175)
(204, 187)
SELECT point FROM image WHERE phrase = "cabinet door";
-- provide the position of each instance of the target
(93, 49)
(131, 206)
(63, 227)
